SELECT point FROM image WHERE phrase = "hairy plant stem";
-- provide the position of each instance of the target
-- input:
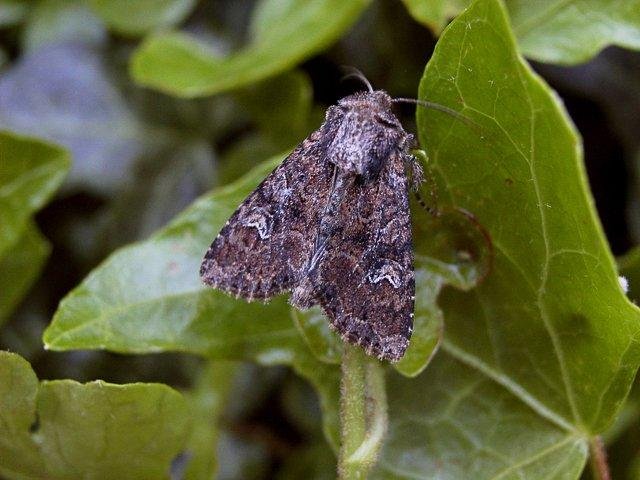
(598, 459)
(363, 413)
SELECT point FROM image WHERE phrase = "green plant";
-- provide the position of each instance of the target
(522, 358)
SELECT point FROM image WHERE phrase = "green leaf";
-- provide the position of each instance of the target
(552, 303)
(30, 172)
(63, 429)
(455, 422)
(181, 65)
(142, 16)
(57, 21)
(20, 266)
(550, 323)
(325, 344)
(558, 31)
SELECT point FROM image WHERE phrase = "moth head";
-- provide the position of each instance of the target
(367, 133)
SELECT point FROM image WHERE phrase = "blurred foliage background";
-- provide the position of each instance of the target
(139, 157)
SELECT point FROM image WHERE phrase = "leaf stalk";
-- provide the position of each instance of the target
(363, 412)
(598, 459)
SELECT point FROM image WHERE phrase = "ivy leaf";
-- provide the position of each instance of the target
(123, 305)
(140, 17)
(124, 431)
(181, 65)
(545, 349)
(552, 303)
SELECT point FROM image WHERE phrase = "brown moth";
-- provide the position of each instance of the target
(331, 225)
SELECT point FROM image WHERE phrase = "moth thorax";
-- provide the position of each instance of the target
(361, 144)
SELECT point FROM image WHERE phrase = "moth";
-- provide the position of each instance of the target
(331, 224)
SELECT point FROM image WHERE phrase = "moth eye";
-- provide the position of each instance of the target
(389, 122)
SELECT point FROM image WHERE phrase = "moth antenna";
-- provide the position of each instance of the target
(352, 72)
(438, 107)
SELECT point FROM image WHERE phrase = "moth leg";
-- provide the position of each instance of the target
(413, 167)
(415, 171)
(418, 177)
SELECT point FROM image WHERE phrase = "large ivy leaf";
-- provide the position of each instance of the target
(63, 429)
(545, 349)
(555, 31)
(552, 305)
(137, 18)
(181, 65)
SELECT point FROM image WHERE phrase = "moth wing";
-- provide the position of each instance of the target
(365, 282)
(265, 245)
